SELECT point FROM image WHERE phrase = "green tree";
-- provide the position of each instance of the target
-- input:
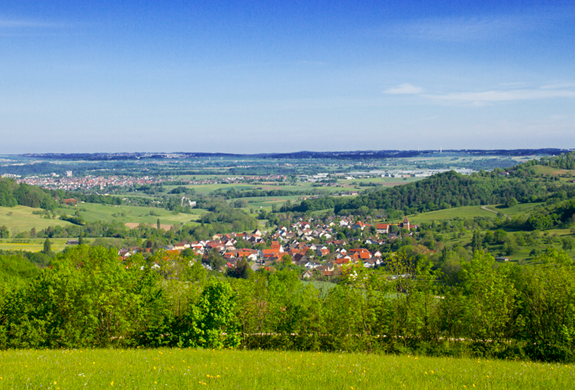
(215, 260)
(476, 241)
(4, 232)
(241, 270)
(546, 313)
(47, 246)
(511, 202)
(212, 323)
(487, 301)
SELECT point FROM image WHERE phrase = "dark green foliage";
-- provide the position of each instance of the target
(4, 232)
(241, 270)
(215, 260)
(47, 247)
(76, 220)
(12, 194)
(223, 218)
(563, 161)
(442, 191)
(183, 190)
(94, 198)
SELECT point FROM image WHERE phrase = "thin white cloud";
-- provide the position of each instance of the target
(559, 86)
(486, 97)
(404, 89)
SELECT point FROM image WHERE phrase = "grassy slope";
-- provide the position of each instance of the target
(21, 219)
(184, 369)
(472, 211)
(461, 212)
(552, 171)
(477, 211)
(101, 212)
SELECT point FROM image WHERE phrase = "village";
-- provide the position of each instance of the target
(320, 248)
(90, 182)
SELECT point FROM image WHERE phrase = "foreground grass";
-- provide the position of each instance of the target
(183, 369)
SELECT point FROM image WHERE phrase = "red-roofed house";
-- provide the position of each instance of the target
(382, 228)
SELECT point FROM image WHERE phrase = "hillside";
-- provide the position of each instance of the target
(450, 189)
(13, 194)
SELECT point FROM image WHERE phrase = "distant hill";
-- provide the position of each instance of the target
(362, 154)
(451, 189)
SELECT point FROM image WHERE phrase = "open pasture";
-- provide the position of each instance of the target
(267, 202)
(190, 368)
(461, 212)
(21, 219)
(515, 210)
(92, 212)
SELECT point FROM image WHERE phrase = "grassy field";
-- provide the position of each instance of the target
(461, 212)
(20, 219)
(186, 369)
(92, 212)
(515, 210)
(553, 171)
(32, 244)
(490, 211)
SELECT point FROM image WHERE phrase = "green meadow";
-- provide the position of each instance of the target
(32, 244)
(489, 211)
(233, 369)
(92, 212)
(554, 171)
(461, 212)
(21, 219)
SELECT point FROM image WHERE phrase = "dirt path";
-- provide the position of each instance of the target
(493, 211)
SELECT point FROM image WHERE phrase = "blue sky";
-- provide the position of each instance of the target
(238, 76)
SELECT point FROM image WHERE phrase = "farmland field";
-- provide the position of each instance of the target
(191, 368)
(32, 244)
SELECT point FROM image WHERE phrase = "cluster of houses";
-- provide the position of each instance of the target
(308, 244)
(89, 182)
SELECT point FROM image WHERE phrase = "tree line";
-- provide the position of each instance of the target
(90, 298)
